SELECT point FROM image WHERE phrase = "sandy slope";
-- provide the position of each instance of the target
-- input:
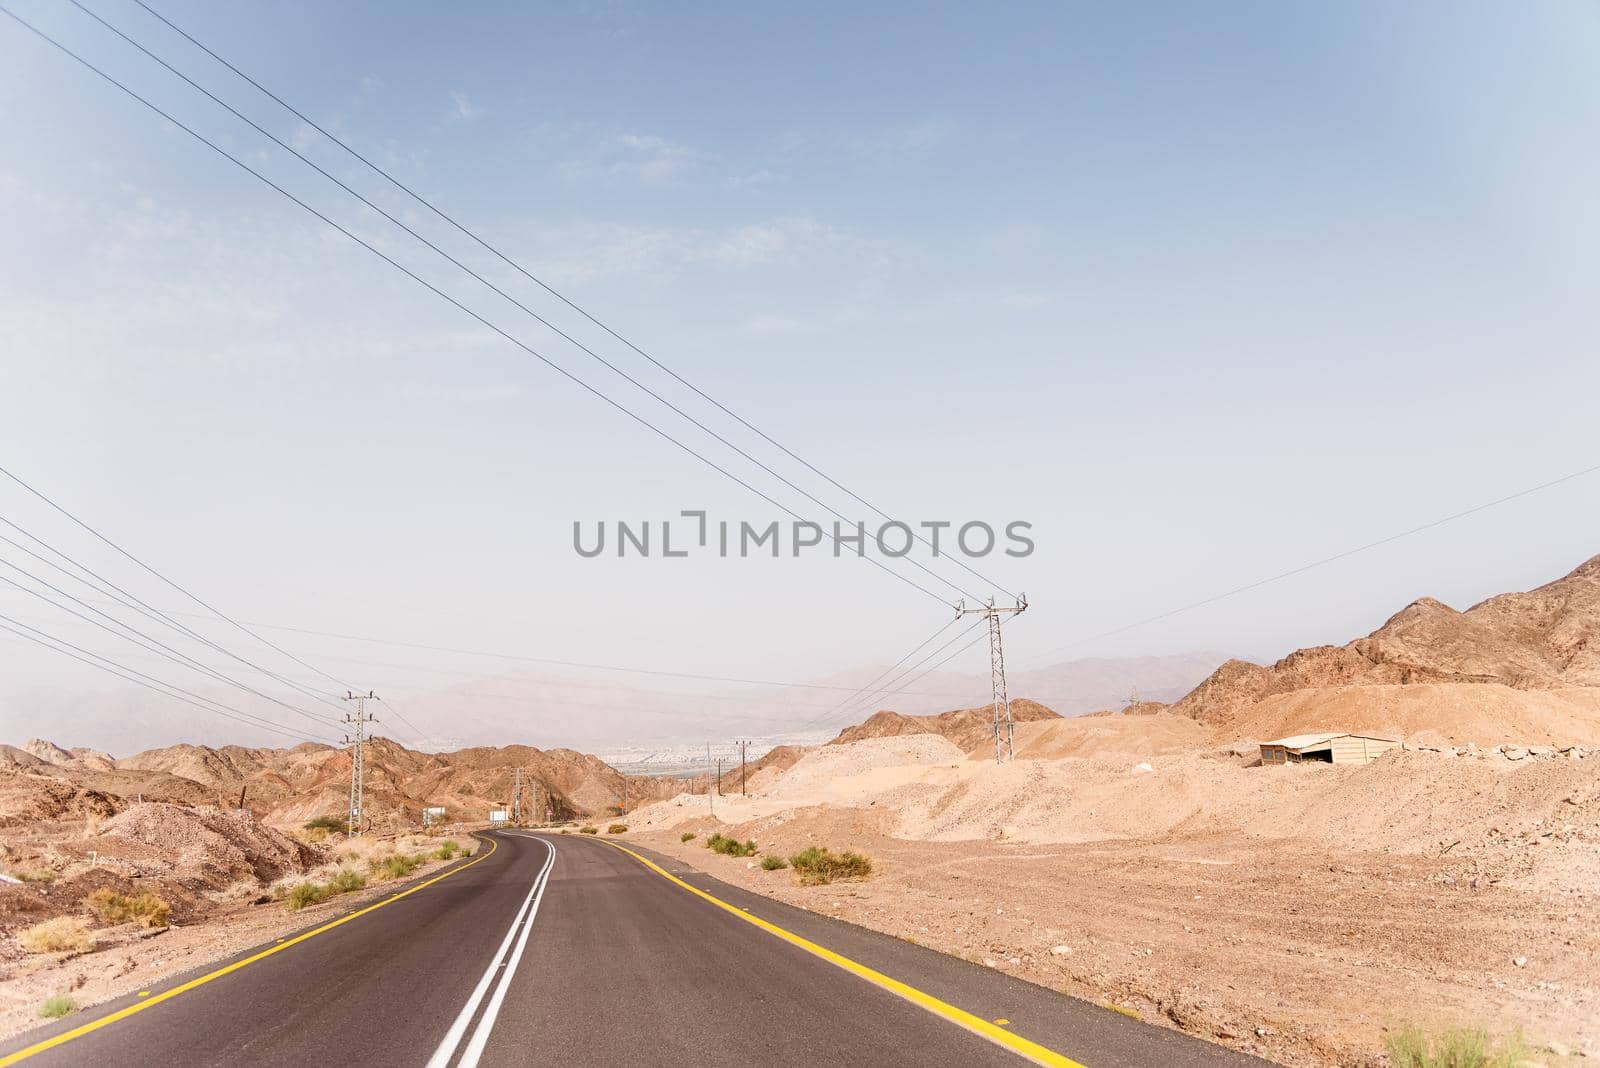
(1317, 903)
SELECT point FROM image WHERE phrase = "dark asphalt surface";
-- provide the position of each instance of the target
(619, 966)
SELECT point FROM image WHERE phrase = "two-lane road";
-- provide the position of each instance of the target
(569, 951)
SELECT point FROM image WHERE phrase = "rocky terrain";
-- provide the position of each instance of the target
(40, 780)
(1146, 859)
(1524, 664)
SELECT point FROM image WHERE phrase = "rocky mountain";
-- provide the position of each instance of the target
(294, 785)
(1428, 658)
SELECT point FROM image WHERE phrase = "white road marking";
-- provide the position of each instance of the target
(498, 967)
(480, 1035)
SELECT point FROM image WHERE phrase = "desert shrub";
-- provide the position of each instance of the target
(686, 836)
(588, 830)
(329, 824)
(447, 850)
(57, 1007)
(1459, 1047)
(566, 830)
(819, 864)
(316, 835)
(36, 875)
(345, 881)
(617, 828)
(305, 894)
(110, 907)
(60, 935)
(773, 863)
(397, 866)
(732, 847)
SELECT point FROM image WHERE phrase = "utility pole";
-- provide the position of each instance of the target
(719, 776)
(743, 792)
(1004, 733)
(516, 798)
(711, 798)
(358, 757)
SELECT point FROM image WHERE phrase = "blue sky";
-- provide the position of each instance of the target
(1203, 293)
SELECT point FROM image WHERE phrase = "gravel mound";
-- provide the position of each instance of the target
(212, 846)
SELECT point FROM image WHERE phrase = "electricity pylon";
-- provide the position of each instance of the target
(516, 798)
(358, 757)
(1004, 732)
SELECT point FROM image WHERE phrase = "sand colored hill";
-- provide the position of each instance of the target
(964, 727)
(1516, 664)
(291, 786)
(1140, 734)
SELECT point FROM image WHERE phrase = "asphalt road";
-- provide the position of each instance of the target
(567, 951)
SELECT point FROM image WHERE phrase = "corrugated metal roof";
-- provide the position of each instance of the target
(1302, 741)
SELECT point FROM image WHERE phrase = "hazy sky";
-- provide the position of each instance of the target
(1204, 293)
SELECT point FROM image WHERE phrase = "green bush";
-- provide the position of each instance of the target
(773, 863)
(686, 836)
(331, 824)
(397, 866)
(732, 847)
(617, 828)
(446, 851)
(110, 907)
(57, 1007)
(588, 830)
(1460, 1047)
(304, 895)
(345, 881)
(819, 864)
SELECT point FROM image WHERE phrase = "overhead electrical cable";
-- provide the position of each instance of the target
(130, 634)
(438, 293)
(133, 603)
(1292, 572)
(520, 269)
(501, 292)
(40, 637)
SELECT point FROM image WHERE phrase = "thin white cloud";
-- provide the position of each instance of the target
(463, 110)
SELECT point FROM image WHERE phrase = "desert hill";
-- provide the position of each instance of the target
(965, 727)
(41, 780)
(1521, 667)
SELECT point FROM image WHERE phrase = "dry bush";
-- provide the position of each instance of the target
(57, 1007)
(686, 836)
(819, 864)
(617, 828)
(110, 907)
(1459, 1047)
(732, 847)
(60, 935)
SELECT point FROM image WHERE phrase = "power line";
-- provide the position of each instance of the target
(207, 704)
(144, 641)
(131, 600)
(520, 269)
(441, 294)
(494, 288)
(848, 698)
(1325, 560)
(856, 703)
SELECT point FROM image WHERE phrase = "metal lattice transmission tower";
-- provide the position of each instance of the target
(1004, 730)
(358, 757)
(516, 799)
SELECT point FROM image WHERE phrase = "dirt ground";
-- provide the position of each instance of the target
(1282, 948)
(128, 958)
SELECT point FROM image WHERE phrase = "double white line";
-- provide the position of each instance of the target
(505, 968)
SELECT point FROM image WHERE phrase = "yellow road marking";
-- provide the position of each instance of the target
(960, 1017)
(1002, 1021)
(165, 995)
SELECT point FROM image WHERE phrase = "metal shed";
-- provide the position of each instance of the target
(1329, 747)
